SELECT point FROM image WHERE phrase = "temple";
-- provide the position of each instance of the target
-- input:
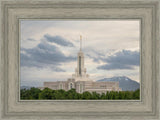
(80, 80)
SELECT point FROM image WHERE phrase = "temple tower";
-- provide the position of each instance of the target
(80, 71)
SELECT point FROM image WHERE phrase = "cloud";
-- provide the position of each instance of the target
(124, 59)
(30, 39)
(113, 66)
(95, 55)
(44, 55)
(58, 40)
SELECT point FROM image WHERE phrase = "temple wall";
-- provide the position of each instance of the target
(82, 86)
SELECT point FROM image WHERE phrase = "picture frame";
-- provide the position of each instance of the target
(12, 11)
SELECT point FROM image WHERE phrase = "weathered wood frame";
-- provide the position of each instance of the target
(14, 10)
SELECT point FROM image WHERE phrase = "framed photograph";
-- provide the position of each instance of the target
(51, 69)
(80, 59)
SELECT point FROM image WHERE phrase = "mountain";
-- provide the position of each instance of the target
(25, 87)
(124, 82)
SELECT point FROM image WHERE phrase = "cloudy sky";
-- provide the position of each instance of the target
(49, 49)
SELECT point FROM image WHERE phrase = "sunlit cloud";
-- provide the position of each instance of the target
(49, 49)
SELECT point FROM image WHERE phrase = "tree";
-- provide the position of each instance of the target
(136, 94)
(103, 96)
(34, 93)
(24, 94)
(86, 95)
(46, 94)
(121, 95)
(95, 95)
(58, 94)
(107, 95)
(128, 95)
(71, 94)
(110, 95)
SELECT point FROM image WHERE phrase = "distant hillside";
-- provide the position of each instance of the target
(124, 82)
(25, 87)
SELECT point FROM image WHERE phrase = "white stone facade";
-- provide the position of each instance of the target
(82, 86)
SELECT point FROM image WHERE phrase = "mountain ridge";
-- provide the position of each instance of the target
(125, 83)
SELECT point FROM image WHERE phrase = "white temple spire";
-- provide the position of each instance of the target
(80, 42)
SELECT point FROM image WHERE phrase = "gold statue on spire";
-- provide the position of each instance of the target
(80, 42)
